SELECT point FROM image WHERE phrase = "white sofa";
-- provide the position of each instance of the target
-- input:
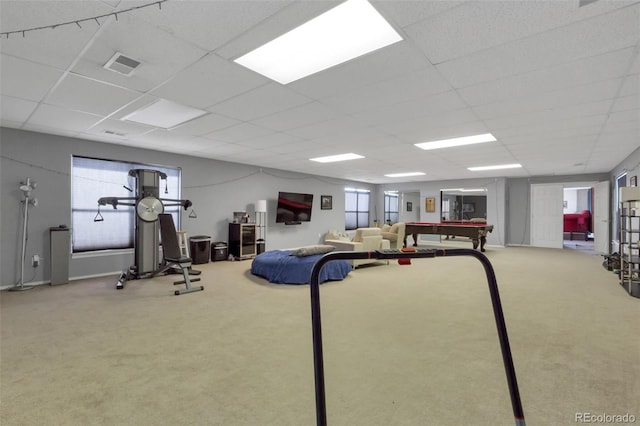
(365, 239)
(395, 234)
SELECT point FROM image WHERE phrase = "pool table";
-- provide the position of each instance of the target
(476, 231)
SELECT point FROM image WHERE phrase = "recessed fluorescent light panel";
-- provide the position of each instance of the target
(466, 140)
(164, 114)
(395, 175)
(465, 190)
(334, 158)
(347, 31)
(499, 167)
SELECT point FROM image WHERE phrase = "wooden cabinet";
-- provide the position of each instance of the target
(242, 240)
(630, 240)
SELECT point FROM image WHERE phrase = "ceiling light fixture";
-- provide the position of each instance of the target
(407, 174)
(498, 167)
(466, 140)
(345, 32)
(339, 157)
(465, 190)
(164, 114)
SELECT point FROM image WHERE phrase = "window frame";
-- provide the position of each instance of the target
(359, 193)
(122, 239)
(389, 213)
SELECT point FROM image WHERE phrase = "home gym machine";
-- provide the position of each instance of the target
(148, 206)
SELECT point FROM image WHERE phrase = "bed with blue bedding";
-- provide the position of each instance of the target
(290, 267)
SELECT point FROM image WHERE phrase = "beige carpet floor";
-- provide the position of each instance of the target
(404, 345)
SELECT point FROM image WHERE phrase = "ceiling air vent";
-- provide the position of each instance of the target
(114, 133)
(122, 64)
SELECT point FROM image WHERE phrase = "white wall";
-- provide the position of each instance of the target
(216, 188)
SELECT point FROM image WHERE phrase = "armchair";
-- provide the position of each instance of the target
(365, 239)
(395, 234)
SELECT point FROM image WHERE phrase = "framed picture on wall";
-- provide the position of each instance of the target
(409, 206)
(633, 181)
(326, 202)
(430, 204)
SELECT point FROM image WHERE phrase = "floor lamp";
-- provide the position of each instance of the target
(26, 188)
(261, 225)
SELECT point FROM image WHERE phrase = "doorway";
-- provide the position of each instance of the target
(577, 218)
(547, 217)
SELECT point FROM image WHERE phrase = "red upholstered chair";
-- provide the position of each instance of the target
(577, 222)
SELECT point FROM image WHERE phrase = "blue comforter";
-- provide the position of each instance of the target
(279, 267)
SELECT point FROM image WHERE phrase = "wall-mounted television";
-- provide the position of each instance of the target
(294, 208)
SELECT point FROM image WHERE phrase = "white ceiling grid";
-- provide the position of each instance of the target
(557, 84)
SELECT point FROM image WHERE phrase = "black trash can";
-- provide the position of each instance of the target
(219, 251)
(260, 246)
(199, 247)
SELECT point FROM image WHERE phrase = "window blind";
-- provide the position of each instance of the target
(93, 178)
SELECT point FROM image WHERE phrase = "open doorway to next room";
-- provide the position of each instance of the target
(578, 218)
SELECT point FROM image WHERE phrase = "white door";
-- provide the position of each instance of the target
(546, 215)
(601, 218)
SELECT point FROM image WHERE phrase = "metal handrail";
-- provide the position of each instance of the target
(321, 408)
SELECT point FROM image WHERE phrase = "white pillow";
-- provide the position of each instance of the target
(336, 235)
(311, 250)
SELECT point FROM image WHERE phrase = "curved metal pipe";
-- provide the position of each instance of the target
(321, 415)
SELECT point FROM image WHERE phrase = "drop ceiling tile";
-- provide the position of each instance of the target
(635, 65)
(426, 106)
(406, 87)
(82, 94)
(300, 116)
(350, 139)
(25, 79)
(259, 102)
(389, 62)
(161, 55)
(55, 117)
(552, 126)
(570, 98)
(631, 86)
(306, 149)
(247, 157)
(220, 149)
(547, 115)
(605, 33)
(476, 26)
(271, 140)
(576, 73)
(430, 129)
(276, 19)
(405, 13)
(206, 124)
(238, 133)
(16, 110)
(632, 116)
(57, 47)
(209, 81)
(626, 103)
(326, 128)
(119, 129)
(210, 24)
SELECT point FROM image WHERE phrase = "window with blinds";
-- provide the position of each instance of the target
(93, 178)
(391, 207)
(356, 208)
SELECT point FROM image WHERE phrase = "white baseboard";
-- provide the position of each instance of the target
(83, 277)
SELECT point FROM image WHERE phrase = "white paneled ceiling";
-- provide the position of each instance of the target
(557, 84)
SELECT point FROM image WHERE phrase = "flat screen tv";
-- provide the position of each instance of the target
(294, 208)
